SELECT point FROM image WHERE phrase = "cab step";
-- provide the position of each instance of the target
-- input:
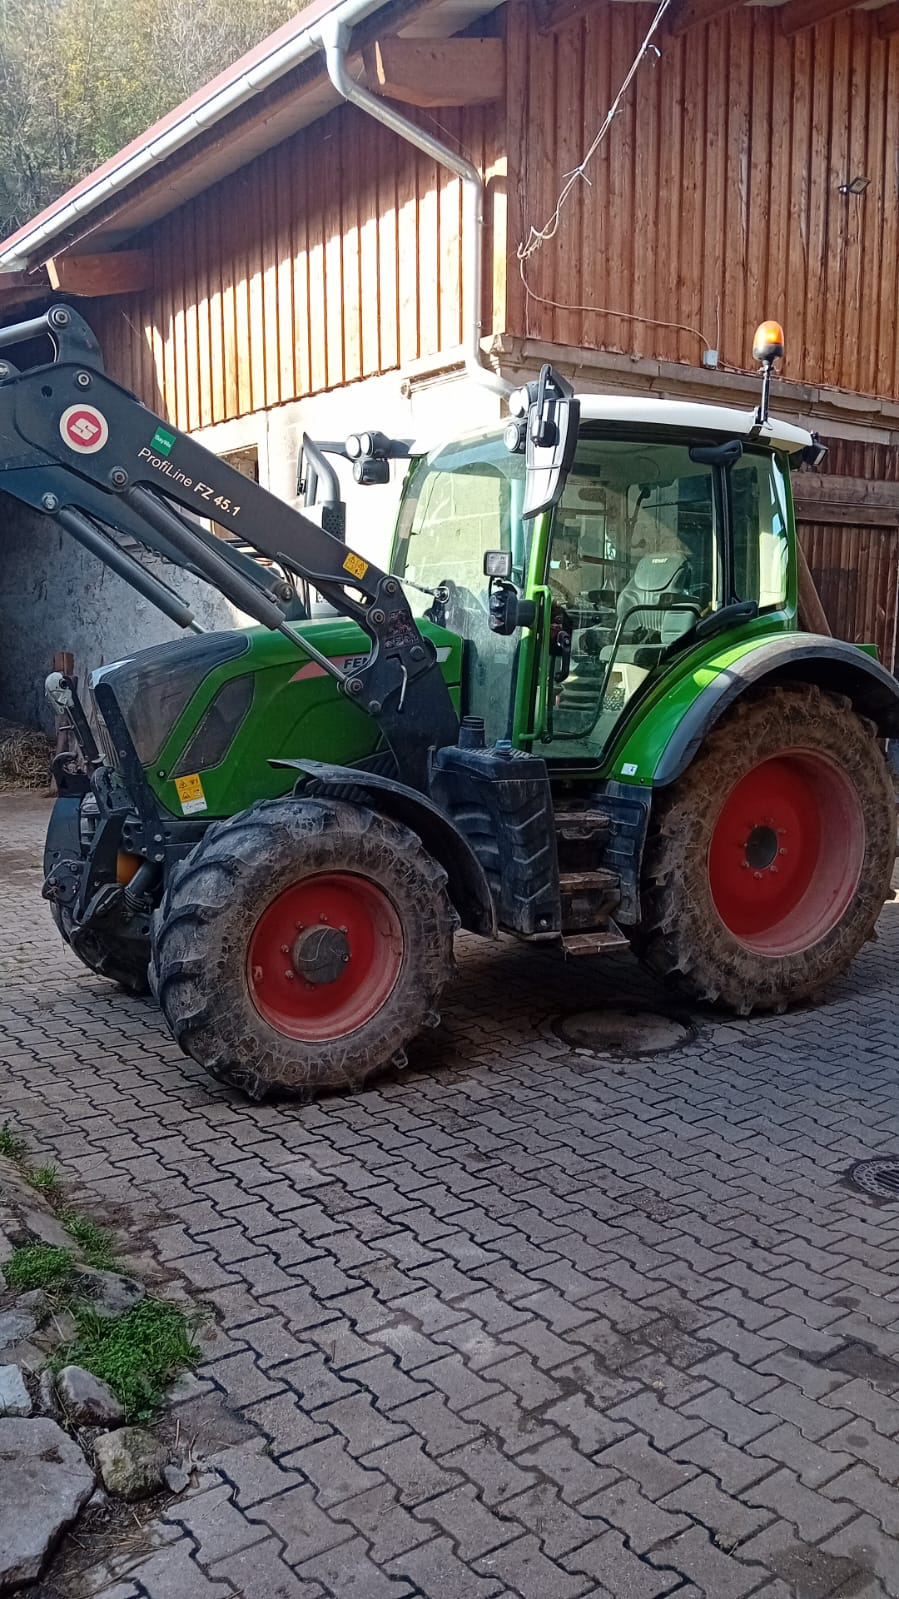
(600, 942)
(587, 898)
(582, 823)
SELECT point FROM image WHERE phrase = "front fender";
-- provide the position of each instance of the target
(662, 745)
(467, 884)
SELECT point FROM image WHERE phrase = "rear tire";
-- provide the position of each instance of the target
(104, 956)
(769, 861)
(231, 946)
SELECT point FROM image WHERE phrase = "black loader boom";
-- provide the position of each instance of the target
(85, 451)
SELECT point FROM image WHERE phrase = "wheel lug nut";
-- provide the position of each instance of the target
(323, 918)
(289, 973)
(285, 949)
(756, 875)
(781, 851)
(343, 927)
(344, 958)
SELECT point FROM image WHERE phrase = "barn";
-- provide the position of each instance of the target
(393, 209)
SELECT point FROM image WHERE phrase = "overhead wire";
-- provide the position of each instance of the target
(540, 236)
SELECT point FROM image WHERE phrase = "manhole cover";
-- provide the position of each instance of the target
(879, 1177)
(619, 1032)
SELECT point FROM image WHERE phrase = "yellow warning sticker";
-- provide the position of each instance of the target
(190, 793)
(355, 565)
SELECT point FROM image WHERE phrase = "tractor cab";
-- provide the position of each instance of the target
(671, 524)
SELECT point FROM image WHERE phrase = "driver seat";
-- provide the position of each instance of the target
(656, 579)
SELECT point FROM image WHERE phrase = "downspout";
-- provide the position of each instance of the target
(334, 37)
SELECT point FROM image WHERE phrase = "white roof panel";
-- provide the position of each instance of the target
(690, 415)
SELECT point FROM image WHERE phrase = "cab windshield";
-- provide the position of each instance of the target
(460, 502)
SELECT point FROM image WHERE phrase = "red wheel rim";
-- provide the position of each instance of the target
(786, 852)
(365, 947)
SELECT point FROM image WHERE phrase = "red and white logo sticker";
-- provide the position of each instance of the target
(84, 429)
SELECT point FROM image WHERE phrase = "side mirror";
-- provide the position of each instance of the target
(552, 428)
(314, 471)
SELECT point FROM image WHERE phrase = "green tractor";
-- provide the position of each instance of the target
(577, 709)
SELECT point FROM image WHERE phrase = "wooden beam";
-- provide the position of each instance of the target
(22, 286)
(687, 14)
(120, 272)
(554, 14)
(887, 19)
(797, 15)
(817, 492)
(436, 72)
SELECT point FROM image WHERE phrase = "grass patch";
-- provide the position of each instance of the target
(12, 1143)
(138, 1354)
(37, 1266)
(93, 1240)
(45, 1179)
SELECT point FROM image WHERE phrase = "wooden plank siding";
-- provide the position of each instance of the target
(714, 200)
(856, 573)
(333, 257)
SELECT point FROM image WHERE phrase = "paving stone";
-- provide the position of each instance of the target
(348, 1570)
(643, 1522)
(860, 1488)
(559, 1527)
(303, 1528)
(172, 1573)
(216, 1525)
(386, 1526)
(525, 1569)
(253, 1473)
(713, 1570)
(813, 1514)
(406, 1465)
(474, 1528)
(608, 1560)
(577, 1476)
(260, 1573)
(333, 1471)
(435, 1571)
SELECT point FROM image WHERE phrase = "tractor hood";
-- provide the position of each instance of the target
(208, 713)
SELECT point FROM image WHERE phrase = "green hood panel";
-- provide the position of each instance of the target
(285, 705)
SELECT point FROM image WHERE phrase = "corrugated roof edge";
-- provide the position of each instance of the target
(253, 72)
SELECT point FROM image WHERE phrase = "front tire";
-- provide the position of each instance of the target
(301, 945)
(769, 860)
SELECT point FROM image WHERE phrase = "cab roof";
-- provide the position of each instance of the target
(691, 416)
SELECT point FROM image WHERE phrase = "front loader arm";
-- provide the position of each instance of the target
(69, 415)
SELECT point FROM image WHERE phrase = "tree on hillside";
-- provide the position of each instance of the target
(80, 78)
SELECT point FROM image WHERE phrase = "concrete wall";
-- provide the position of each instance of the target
(54, 596)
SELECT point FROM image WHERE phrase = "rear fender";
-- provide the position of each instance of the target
(673, 732)
(467, 885)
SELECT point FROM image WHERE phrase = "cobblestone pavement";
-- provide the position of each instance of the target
(521, 1321)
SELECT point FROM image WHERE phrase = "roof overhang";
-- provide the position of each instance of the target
(270, 93)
